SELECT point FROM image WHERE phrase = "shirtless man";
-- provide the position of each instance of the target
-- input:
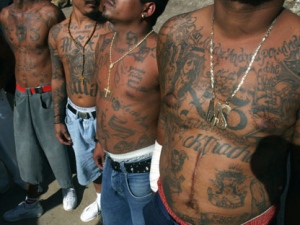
(227, 126)
(27, 24)
(127, 107)
(74, 88)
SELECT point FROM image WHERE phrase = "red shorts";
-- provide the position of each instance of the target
(263, 219)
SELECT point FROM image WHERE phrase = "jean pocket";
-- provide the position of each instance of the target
(139, 185)
(46, 100)
(69, 120)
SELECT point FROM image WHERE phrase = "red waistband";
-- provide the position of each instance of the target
(263, 219)
(169, 210)
(34, 90)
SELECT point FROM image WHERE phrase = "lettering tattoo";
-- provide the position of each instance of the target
(119, 125)
(270, 98)
(75, 87)
(265, 105)
(122, 131)
(135, 77)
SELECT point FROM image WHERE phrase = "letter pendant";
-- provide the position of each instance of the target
(216, 114)
(211, 108)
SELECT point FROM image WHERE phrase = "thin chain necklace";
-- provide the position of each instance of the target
(81, 46)
(215, 114)
(111, 63)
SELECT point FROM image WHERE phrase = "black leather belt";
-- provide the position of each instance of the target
(138, 167)
(83, 115)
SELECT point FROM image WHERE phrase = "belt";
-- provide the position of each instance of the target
(82, 115)
(34, 90)
(137, 167)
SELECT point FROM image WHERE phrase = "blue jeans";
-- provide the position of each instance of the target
(82, 132)
(35, 139)
(123, 196)
(155, 213)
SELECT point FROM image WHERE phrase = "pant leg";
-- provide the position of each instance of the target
(82, 132)
(138, 194)
(155, 213)
(41, 107)
(7, 141)
(4, 179)
(29, 155)
(115, 209)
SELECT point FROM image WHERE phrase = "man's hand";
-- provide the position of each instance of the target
(62, 134)
(99, 156)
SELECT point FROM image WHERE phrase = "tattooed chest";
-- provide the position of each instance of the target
(267, 105)
(26, 29)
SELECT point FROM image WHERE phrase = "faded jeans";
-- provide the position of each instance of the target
(124, 195)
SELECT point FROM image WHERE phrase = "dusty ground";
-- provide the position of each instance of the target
(52, 199)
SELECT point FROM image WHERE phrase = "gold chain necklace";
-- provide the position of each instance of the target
(111, 63)
(81, 46)
(215, 114)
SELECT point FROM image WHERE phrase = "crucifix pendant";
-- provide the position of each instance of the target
(106, 91)
(81, 79)
(216, 114)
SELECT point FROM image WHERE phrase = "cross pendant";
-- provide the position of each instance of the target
(81, 79)
(106, 91)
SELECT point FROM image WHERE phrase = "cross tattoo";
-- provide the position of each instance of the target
(81, 79)
(106, 91)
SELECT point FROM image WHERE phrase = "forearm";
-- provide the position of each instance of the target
(59, 97)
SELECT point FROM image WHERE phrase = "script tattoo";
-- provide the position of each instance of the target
(135, 78)
(206, 144)
(76, 87)
(119, 125)
(66, 45)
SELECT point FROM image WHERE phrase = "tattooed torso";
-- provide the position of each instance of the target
(27, 31)
(212, 176)
(127, 117)
(68, 59)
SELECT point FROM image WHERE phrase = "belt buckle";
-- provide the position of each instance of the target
(38, 90)
(83, 115)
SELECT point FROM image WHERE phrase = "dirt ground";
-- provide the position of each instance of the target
(52, 199)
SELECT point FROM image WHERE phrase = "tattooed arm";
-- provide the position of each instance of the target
(7, 61)
(163, 64)
(59, 93)
(293, 197)
(55, 17)
(99, 154)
